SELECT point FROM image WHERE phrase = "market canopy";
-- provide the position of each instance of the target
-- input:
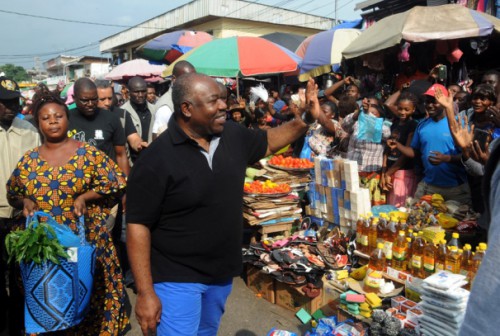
(287, 40)
(420, 24)
(239, 56)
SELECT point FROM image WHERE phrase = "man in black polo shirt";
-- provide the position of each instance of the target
(184, 208)
(101, 129)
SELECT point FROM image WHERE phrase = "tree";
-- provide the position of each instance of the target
(17, 73)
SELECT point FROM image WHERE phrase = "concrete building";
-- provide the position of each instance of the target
(221, 18)
(70, 68)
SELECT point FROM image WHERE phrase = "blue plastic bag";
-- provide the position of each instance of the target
(370, 128)
(57, 297)
(306, 152)
(64, 234)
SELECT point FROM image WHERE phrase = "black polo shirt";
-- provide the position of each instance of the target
(194, 212)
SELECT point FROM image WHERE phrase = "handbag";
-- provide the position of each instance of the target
(57, 296)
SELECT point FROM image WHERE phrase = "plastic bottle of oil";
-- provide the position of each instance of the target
(359, 232)
(409, 233)
(429, 259)
(417, 255)
(454, 241)
(391, 234)
(441, 256)
(466, 263)
(382, 225)
(376, 266)
(364, 235)
(372, 234)
(408, 255)
(399, 252)
(452, 260)
(402, 226)
(477, 259)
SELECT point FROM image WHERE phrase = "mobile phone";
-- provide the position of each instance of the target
(442, 73)
(481, 137)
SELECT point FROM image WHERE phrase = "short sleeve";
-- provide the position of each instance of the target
(119, 133)
(15, 187)
(129, 125)
(162, 117)
(415, 142)
(107, 178)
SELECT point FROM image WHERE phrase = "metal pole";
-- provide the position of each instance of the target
(336, 2)
(237, 88)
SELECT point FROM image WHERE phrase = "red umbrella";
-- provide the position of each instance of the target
(137, 67)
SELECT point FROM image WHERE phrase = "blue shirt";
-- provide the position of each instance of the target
(435, 136)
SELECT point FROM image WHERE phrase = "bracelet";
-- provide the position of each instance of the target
(306, 120)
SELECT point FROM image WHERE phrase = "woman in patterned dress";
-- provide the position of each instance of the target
(67, 179)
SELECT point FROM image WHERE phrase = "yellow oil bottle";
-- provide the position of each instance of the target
(372, 234)
(441, 256)
(417, 255)
(452, 260)
(429, 259)
(477, 259)
(399, 252)
(376, 267)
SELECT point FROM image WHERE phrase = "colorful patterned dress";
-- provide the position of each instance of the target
(54, 189)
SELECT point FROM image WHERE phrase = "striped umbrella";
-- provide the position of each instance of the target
(239, 56)
(322, 50)
(419, 24)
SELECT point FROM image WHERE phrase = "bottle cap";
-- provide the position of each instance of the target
(401, 233)
(455, 235)
(408, 239)
(467, 247)
(453, 248)
(483, 246)
(380, 245)
(443, 241)
(375, 220)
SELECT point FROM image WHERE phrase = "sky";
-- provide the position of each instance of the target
(24, 37)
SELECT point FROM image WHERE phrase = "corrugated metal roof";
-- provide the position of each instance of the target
(199, 11)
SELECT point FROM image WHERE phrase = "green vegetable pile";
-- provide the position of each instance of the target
(34, 244)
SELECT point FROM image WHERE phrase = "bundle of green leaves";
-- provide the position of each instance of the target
(34, 244)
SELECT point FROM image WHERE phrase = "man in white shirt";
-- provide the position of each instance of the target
(164, 105)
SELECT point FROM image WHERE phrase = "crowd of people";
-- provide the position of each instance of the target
(182, 247)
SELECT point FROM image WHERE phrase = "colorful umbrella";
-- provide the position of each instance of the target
(239, 56)
(287, 40)
(137, 67)
(170, 46)
(322, 50)
(419, 24)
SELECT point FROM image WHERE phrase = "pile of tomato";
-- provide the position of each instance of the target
(268, 187)
(290, 162)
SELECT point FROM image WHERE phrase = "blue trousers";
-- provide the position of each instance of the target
(191, 309)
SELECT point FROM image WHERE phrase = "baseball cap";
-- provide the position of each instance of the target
(432, 90)
(8, 89)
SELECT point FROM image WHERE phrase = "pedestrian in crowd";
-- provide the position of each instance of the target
(151, 96)
(326, 130)
(164, 105)
(80, 180)
(185, 219)
(398, 176)
(443, 171)
(352, 90)
(16, 137)
(98, 127)
(140, 110)
(125, 93)
(107, 102)
(368, 134)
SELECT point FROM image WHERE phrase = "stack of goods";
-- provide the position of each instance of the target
(268, 203)
(335, 194)
(351, 302)
(384, 324)
(293, 171)
(443, 304)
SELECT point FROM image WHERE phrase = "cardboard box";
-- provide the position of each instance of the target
(261, 283)
(292, 298)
